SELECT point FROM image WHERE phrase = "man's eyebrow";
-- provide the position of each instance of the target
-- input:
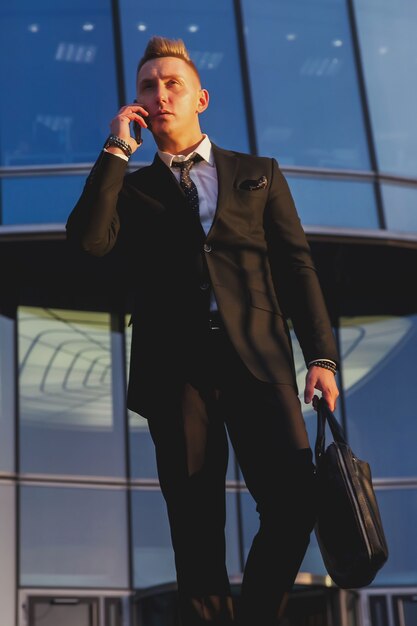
(147, 81)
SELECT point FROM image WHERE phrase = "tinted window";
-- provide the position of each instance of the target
(400, 205)
(70, 421)
(387, 31)
(378, 366)
(60, 76)
(337, 203)
(304, 83)
(39, 199)
(73, 537)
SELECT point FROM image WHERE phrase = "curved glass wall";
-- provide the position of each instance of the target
(387, 32)
(378, 367)
(304, 83)
(61, 81)
(70, 420)
(39, 199)
(73, 537)
(400, 206)
(337, 203)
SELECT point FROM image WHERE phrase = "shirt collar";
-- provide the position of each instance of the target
(204, 149)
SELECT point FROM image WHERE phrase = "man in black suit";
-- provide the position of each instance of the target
(218, 262)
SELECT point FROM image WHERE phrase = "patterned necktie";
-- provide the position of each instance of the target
(187, 184)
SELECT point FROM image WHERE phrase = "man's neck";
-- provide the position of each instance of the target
(178, 147)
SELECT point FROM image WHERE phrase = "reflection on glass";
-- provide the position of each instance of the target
(61, 80)
(153, 559)
(7, 393)
(400, 206)
(68, 424)
(304, 83)
(387, 34)
(398, 510)
(208, 30)
(8, 527)
(338, 203)
(73, 537)
(39, 200)
(378, 367)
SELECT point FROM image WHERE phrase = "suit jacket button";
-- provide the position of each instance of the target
(204, 286)
(207, 247)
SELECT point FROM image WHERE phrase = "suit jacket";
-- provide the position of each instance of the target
(257, 256)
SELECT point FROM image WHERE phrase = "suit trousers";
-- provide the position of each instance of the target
(267, 431)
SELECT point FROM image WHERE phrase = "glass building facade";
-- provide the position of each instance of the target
(324, 86)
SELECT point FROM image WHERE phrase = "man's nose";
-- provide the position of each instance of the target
(160, 95)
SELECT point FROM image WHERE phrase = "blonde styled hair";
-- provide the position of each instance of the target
(163, 47)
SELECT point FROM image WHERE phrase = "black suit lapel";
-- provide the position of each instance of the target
(226, 166)
(162, 185)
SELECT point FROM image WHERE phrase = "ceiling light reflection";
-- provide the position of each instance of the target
(193, 28)
(33, 28)
(142, 27)
(337, 43)
(88, 27)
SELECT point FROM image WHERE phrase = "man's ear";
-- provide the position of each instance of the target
(203, 100)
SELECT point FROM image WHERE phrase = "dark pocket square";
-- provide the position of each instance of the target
(254, 185)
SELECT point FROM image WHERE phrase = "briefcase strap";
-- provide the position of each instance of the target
(324, 414)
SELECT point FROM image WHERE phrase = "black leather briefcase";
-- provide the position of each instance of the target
(349, 528)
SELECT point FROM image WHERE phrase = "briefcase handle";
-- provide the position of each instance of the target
(324, 414)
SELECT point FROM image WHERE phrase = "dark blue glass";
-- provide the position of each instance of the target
(209, 32)
(58, 80)
(153, 558)
(388, 42)
(398, 509)
(400, 207)
(73, 537)
(39, 199)
(339, 203)
(378, 367)
(304, 83)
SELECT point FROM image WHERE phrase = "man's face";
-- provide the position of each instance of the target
(170, 91)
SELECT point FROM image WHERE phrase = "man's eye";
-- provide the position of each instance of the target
(172, 82)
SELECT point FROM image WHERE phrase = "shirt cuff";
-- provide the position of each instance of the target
(119, 156)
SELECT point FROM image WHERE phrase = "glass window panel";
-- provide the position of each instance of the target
(39, 199)
(337, 203)
(304, 83)
(399, 513)
(60, 76)
(7, 393)
(73, 537)
(8, 553)
(387, 34)
(153, 557)
(208, 30)
(378, 367)
(69, 421)
(400, 205)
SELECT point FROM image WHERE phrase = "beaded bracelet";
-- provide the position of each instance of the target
(114, 140)
(326, 365)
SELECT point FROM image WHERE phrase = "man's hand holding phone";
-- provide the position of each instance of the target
(120, 126)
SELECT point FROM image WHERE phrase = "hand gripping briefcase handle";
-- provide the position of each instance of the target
(349, 528)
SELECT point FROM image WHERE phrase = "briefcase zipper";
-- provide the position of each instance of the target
(357, 508)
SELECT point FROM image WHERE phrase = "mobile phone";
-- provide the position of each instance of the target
(137, 129)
